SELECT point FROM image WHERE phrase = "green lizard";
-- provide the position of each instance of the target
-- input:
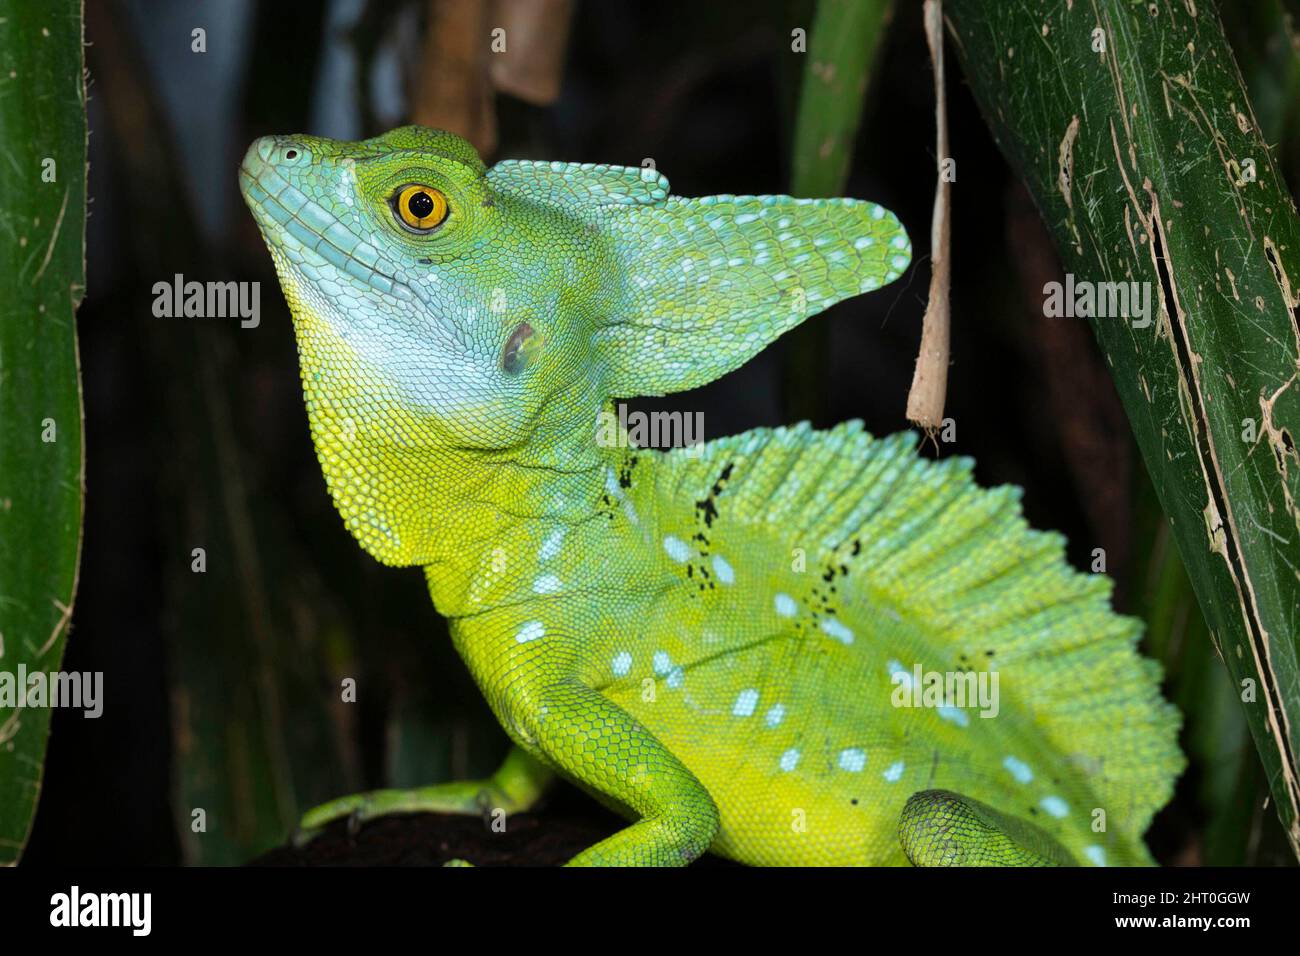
(712, 642)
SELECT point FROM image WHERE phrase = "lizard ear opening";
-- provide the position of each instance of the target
(708, 283)
(521, 348)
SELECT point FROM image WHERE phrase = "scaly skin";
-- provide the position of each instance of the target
(706, 642)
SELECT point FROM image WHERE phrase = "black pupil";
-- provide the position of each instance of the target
(421, 205)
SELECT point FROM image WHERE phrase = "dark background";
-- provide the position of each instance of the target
(222, 687)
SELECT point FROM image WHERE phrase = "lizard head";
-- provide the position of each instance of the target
(438, 323)
(411, 284)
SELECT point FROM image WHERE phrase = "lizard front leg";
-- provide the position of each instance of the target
(603, 747)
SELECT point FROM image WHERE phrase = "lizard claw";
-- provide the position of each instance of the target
(485, 807)
(355, 819)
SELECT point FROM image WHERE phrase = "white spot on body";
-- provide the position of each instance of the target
(775, 715)
(853, 759)
(612, 485)
(677, 549)
(1055, 806)
(725, 572)
(899, 674)
(546, 584)
(1018, 769)
(954, 715)
(894, 772)
(662, 663)
(790, 759)
(785, 605)
(1096, 854)
(835, 629)
(530, 631)
(551, 546)
(745, 703)
(621, 664)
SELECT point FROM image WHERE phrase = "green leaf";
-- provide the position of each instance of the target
(842, 47)
(1130, 124)
(1216, 735)
(42, 217)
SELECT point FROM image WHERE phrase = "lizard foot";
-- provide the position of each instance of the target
(516, 786)
(467, 797)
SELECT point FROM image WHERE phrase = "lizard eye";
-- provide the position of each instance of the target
(419, 208)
